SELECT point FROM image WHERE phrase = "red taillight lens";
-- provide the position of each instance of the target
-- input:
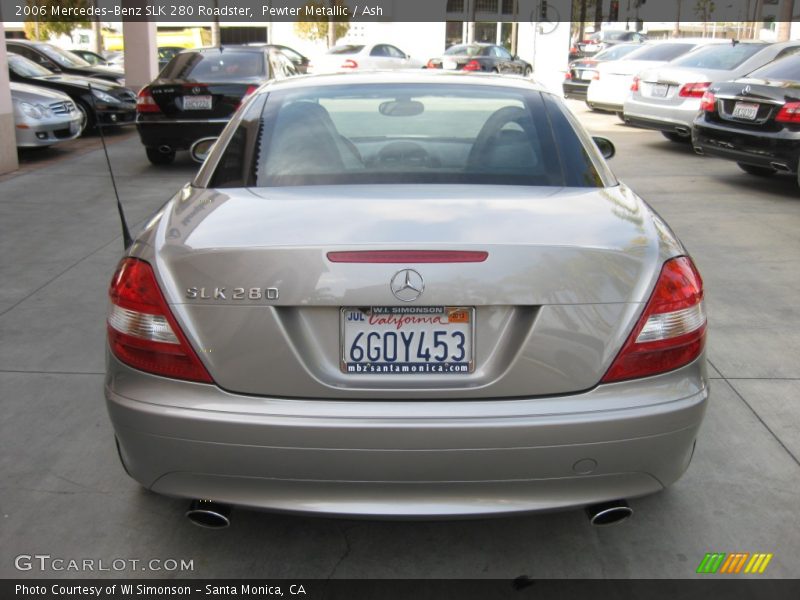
(596, 76)
(568, 75)
(145, 102)
(789, 113)
(248, 92)
(672, 329)
(472, 65)
(349, 64)
(635, 85)
(708, 103)
(694, 90)
(142, 332)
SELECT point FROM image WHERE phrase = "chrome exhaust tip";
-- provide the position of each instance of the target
(208, 514)
(698, 150)
(608, 513)
(683, 131)
(780, 167)
(165, 149)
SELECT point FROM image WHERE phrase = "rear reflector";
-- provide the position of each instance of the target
(671, 332)
(142, 332)
(407, 256)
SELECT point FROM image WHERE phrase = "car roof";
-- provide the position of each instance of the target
(410, 77)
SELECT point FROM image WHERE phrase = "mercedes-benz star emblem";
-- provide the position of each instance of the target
(196, 90)
(746, 90)
(407, 285)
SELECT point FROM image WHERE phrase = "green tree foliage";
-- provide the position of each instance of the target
(43, 28)
(317, 29)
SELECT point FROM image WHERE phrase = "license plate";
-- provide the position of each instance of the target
(450, 65)
(659, 90)
(407, 340)
(197, 103)
(585, 74)
(745, 110)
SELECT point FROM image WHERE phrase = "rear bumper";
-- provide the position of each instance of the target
(575, 90)
(760, 149)
(178, 134)
(676, 119)
(421, 458)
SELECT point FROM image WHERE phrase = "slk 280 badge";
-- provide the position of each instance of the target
(239, 293)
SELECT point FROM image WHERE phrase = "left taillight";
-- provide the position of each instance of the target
(694, 90)
(671, 332)
(145, 102)
(472, 65)
(142, 332)
(349, 64)
(635, 84)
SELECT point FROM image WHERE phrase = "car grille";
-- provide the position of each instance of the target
(62, 108)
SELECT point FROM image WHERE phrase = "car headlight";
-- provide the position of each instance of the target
(103, 97)
(34, 111)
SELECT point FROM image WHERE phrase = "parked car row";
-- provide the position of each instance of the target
(735, 100)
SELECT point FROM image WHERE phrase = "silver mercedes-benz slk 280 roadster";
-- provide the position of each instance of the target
(406, 294)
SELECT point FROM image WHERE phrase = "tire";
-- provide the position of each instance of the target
(756, 170)
(88, 121)
(495, 71)
(156, 157)
(528, 72)
(676, 137)
(621, 116)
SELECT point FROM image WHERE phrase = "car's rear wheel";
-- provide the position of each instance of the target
(528, 71)
(756, 170)
(157, 157)
(676, 137)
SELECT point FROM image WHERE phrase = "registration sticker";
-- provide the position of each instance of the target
(407, 340)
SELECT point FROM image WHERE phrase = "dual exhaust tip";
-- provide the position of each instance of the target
(213, 515)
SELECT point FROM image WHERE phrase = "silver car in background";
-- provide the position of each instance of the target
(406, 294)
(43, 117)
(667, 98)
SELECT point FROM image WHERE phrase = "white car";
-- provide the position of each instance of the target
(350, 57)
(43, 117)
(612, 82)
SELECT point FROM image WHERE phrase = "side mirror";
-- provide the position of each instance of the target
(605, 146)
(200, 150)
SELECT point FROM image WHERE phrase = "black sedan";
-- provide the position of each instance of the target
(580, 72)
(480, 57)
(755, 120)
(197, 92)
(106, 103)
(58, 60)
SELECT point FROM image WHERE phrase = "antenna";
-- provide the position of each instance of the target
(126, 234)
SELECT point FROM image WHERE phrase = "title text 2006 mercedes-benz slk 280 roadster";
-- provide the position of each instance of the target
(406, 294)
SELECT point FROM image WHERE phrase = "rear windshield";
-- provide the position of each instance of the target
(26, 68)
(228, 65)
(617, 52)
(416, 133)
(348, 49)
(466, 50)
(784, 69)
(723, 57)
(664, 52)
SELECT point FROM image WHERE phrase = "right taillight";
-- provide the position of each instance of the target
(671, 332)
(349, 64)
(142, 332)
(708, 103)
(635, 84)
(596, 75)
(789, 113)
(145, 102)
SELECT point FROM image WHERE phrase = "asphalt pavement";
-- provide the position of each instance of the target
(63, 492)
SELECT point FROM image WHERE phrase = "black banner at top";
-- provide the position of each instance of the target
(265, 11)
